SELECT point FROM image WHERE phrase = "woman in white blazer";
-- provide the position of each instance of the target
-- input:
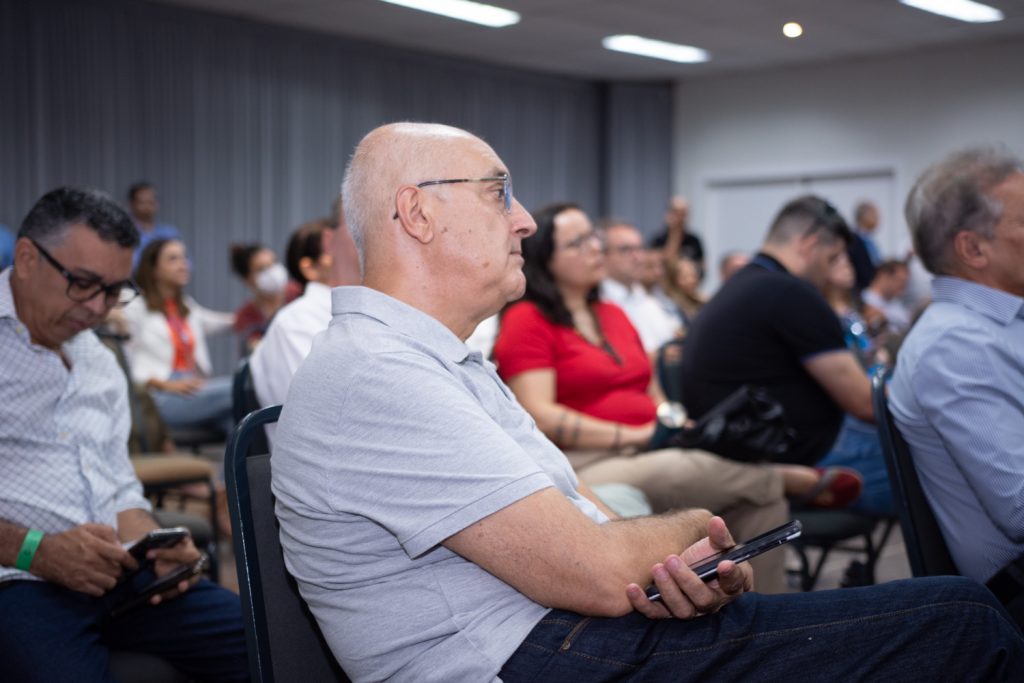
(167, 352)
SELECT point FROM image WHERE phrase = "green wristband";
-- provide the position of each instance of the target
(28, 549)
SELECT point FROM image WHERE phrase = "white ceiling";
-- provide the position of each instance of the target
(564, 36)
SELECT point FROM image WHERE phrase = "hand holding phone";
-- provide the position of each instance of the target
(707, 568)
(167, 582)
(157, 538)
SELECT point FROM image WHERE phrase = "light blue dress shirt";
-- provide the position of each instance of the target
(958, 399)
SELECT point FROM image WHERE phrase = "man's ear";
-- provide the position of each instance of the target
(308, 268)
(25, 256)
(971, 249)
(414, 214)
(807, 243)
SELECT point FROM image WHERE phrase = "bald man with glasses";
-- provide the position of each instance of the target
(437, 535)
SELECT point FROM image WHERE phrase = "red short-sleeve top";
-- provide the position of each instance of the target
(607, 383)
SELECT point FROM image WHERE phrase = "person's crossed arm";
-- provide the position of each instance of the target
(547, 549)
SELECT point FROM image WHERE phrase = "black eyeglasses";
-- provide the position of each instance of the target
(506, 187)
(83, 289)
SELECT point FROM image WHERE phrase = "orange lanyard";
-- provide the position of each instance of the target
(181, 337)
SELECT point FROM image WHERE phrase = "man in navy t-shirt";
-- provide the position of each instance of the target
(769, 326)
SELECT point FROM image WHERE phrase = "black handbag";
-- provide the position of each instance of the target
(747, 425)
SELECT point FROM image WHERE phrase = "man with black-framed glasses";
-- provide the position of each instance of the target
(69, 497)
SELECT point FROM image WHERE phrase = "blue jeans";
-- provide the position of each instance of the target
(932, 629)
(859, 447)
(210, 407)
(49, 633)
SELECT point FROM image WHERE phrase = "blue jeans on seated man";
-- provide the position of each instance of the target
(210, 407)
(859, 447)
(49, 633)
(931, 629)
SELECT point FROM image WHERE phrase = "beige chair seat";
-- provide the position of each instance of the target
(159, 469)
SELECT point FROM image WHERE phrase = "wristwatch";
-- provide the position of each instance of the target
(671, 414)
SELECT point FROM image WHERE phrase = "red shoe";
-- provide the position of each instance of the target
(843, 483)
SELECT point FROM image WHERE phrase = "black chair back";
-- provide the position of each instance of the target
(244, 401)
(926, 547)
(283, 639)
(669, 367)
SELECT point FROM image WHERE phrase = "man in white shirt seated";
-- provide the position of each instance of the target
(886, 294)
(320, 256)
(624, 262)
(69, 497)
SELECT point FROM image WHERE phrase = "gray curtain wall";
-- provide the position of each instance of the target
(638, 153)
(246, 128)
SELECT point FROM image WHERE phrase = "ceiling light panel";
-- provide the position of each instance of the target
(962, 10)
(463, 10)
(656, 49)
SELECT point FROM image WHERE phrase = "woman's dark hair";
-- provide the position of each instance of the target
(306, 242)
(241, 258)
(145, 278)
(538, 249)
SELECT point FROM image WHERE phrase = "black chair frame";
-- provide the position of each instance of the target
(300, 653)
(926, 547)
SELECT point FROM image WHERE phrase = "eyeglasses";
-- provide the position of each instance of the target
(506, 187)
(81, 289)
(591, 239)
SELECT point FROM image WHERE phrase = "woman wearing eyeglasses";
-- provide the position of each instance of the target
(167, 351)
(577, 365)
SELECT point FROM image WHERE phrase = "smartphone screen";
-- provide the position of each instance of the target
(157, 538)
(707, 568)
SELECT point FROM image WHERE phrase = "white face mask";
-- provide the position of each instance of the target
(272, 280)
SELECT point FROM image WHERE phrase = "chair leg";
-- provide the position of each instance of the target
(875, 550)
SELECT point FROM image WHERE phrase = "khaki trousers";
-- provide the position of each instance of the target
(749, 497)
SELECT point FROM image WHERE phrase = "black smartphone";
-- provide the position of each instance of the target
(707, 568)
(160, 585)
(157, 538)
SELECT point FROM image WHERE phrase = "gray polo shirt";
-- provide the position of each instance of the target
(394, 436)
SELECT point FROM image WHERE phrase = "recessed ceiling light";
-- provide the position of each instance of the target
(964, 10)
(658, 49)
(464, 10)
(792, 30)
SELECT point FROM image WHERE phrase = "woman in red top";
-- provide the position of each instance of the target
(577, 365)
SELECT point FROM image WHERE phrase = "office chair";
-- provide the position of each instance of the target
(843, 531)
(926, 547)
(283, 639)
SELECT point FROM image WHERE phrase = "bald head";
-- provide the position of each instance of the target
(387, 158)
(431, 210)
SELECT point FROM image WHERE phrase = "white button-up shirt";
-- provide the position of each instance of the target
(63, 433)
